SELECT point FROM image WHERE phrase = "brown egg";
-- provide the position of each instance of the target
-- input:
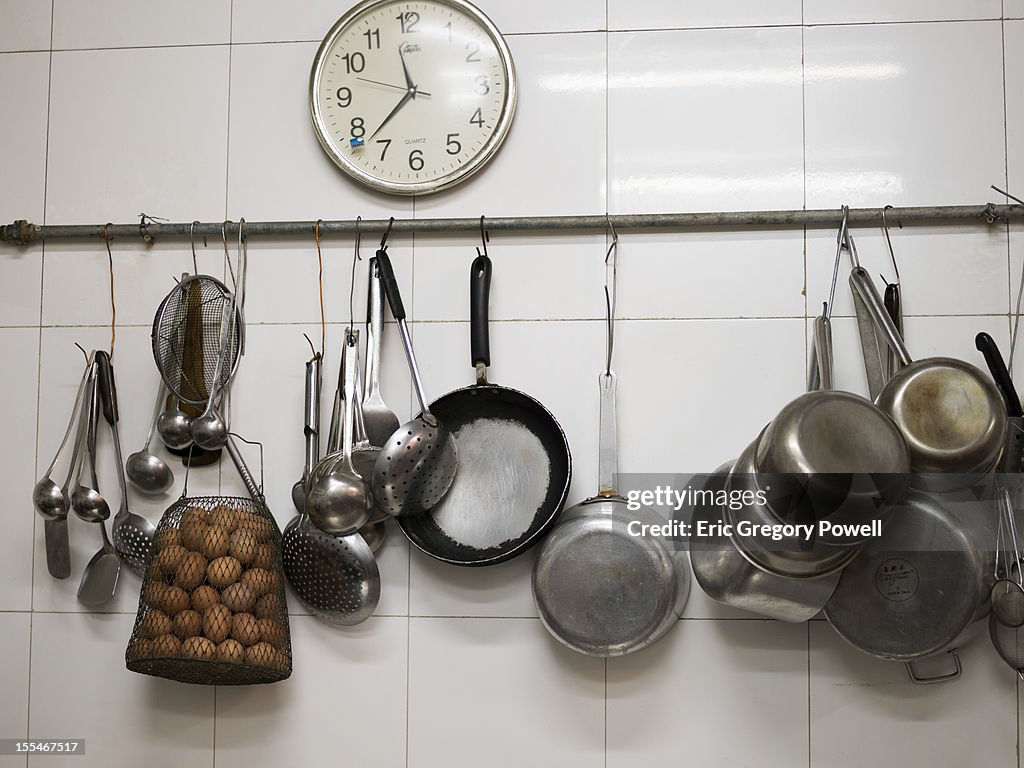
(140, 648)
(191, 571)
(243, 545)
(192, 535)
(153, 572)
(176, 600)
(260, 526)
(264, 557)
(244, 628)
(166, 645)
(217, 623)
(271, 632)
(203, 597)
(225, 517)
(238, 597)
(198, 648)
(267, 607)
(231, 651)
(188, 624)
(215, 542)
(258, 580)
(168, 537)
(224, 571)
(154, 594)
(260, 655)
(168, 559)
(154, 624)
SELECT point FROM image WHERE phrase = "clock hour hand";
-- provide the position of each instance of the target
(405, 69)
(409, 95)
(390, 85)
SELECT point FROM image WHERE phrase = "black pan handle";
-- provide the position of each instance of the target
(479, 294)
(892, 304)
(387, 278)
(108, 390)
(997, 367)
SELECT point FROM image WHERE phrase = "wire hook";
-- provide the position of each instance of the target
(888, 242)
(842, 240)
(356, 258)
(320, 278)
(192, 237)
(611, 267)
(384, 239)
(484, 238)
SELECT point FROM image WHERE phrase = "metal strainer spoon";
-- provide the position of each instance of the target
(147, 472)
(133, 534)
(339, 502)
(417, 464)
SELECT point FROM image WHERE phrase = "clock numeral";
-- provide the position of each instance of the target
(372, 38)
(344, 97)
(483, 85)
(474, 49)
(477, 119)
(448, 26)
(358, 128)
(354, 62)
(416, 160)
(453, 146)
(408, 21)
(384, 149)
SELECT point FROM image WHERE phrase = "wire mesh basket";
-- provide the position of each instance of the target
(212, 609)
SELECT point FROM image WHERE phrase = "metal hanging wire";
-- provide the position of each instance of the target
(611, 272)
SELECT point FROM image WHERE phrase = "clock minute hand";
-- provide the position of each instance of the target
(391, 85)
(405, 100)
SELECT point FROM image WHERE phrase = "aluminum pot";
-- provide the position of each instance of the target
(727, 574)
(923, 588)
(830, 454)
(792, 557)
(950, 412)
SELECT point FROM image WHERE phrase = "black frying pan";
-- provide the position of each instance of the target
(514, 462)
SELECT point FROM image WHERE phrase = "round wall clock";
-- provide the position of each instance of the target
(412, 97)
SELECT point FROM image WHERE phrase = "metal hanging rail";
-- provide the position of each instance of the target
(24, 232)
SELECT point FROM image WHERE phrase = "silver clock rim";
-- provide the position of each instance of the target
(490, 148)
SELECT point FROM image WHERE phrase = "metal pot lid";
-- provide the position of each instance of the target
(832, 432)
(916, 590)
(602, 591)
(950, 413)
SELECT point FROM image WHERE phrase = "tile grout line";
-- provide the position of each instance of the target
(803, 142)
(39, 385)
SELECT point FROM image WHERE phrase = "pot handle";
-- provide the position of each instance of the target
(957, 671)
(479, 294)
(865, 290)
(997, 367)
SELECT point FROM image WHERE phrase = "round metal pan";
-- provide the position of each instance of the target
(514, 462)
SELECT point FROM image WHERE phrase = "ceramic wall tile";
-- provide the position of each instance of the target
(123, 23)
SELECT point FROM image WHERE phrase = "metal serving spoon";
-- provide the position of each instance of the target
(148, 473)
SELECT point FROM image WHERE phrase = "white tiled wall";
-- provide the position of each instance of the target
(197, 110)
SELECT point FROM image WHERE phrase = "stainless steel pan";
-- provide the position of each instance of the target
(600, 589)
(949, 411)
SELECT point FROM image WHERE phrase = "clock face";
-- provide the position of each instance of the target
(412, 97)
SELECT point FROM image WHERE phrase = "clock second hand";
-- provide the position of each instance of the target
(389, 85)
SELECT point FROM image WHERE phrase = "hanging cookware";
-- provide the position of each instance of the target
(417, 464)
(949, 411)
(923, 587)
(726, 573)
(829, 455)
(1013, 451)
(514, 462)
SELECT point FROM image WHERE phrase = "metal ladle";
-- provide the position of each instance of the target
(339, 502)
(47, 497)
(148, 473)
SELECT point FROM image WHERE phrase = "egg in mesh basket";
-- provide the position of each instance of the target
(212, 610)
